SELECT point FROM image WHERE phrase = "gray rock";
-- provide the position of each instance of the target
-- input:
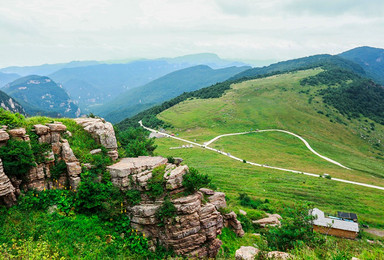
(246, 253)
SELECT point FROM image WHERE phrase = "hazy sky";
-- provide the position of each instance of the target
(49, 31)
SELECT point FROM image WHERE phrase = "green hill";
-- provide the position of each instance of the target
(42, 96)
(371, 59)
(330, 107)
(171, 85)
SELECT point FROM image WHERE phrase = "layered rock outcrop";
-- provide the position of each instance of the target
(194, 230)
(102, 132)
(7, 191)
(39, 176)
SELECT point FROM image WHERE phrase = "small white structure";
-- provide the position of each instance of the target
(333, 225)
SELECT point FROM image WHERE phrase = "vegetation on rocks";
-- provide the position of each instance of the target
(193, 181)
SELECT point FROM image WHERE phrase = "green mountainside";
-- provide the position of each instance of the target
(8, 103)
(171, 85)
(42, 96)
(371, 59)
(335, 109)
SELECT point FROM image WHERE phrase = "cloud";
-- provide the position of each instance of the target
(336, 7)
(40, 31)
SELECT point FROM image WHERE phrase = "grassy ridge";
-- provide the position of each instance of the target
(281, 102)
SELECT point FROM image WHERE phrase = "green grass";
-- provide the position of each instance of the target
(281, 102)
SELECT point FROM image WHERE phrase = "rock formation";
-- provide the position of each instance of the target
(272, 220)
(246, 253)
(102, 132)
(7, 191)
(194, 230)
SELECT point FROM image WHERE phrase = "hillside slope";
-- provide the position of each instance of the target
(164, 88)
(370, 59)
(41, 95)
(10, 104)
(300, 103)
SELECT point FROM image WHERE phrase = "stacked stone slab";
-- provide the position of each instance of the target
(7, 191)
(193, 232)
(102, 132)
(51, 133)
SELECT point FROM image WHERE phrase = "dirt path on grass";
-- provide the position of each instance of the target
(257, 164)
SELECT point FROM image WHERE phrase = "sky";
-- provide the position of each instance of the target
(50, 31)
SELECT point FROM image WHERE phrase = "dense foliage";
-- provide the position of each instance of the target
(12, 120)
(17, 158)
(296, 229)
(166, 211)
(358, 98)
(156, 183)
(193, 181)
(135, 142)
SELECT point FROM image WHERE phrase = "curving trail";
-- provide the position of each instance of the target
(261, 165)
(283, 131)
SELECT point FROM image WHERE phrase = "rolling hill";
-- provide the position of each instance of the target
(171, 85)
(371, 59)
(335, 109)
(42, 96)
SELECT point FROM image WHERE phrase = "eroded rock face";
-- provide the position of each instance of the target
(7, 191)
(193, 232)
(102, 132)
(231, 221)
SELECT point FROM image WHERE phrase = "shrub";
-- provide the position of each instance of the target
(193, 181)
(156, 183)
(58, 169)
(12, 120)
(136, 143)
(171, 159)
(101, 198)
(246, 201)
(17, 158)
(166, 211)
(133, 197)
(39, 150)
(295, 230)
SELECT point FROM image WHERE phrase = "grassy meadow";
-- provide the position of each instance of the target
(281, 102)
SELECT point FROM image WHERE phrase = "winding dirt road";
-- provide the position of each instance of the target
(263, 165)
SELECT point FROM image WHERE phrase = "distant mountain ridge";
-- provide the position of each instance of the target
(171, 85)
(6, 78)
(45, 69)
(41, 95)
(370, 59)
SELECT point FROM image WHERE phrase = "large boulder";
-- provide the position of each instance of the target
(246, 253)
(272, 220)
(101, 130)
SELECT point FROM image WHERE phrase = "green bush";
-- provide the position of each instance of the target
(39, 150)
(296, 229)
(171, 159)
(136, 143)
(101, 198)
(156, 183)
(58, 169)
(17, 158)
(166, 211)
(246, 201)
(193, 181)
(133, 197)
(12, 120)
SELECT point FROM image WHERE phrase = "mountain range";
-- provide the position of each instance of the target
(41, 95)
